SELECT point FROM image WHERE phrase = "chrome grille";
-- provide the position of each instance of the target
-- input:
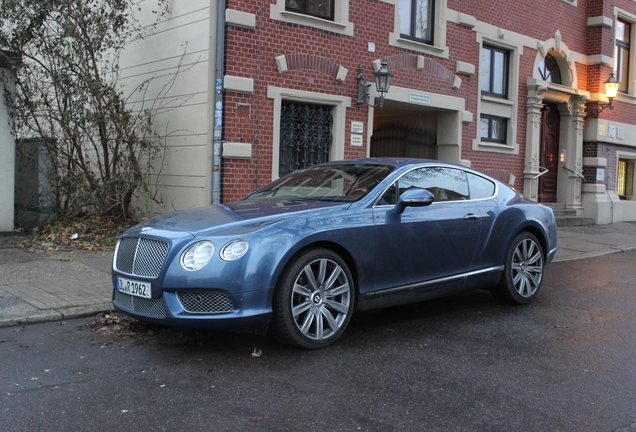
(140, 305)
(141, 256)
(205, 302)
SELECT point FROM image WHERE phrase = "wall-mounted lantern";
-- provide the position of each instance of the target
(383, 79)
(611, 90)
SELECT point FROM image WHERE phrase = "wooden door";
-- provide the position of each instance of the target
(549, 152)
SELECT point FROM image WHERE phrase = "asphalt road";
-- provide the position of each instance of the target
(466, 363)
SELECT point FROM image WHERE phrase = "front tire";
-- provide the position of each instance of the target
(314, 300)
(523, 273)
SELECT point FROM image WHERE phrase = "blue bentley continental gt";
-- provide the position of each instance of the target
(297, 257)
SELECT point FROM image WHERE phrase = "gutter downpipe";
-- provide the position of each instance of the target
(218, 102)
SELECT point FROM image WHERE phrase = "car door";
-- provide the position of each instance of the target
(426, 245)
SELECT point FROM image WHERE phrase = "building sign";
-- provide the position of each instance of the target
(600, 174)
(420, 98)
(357, 127)
(356, 140)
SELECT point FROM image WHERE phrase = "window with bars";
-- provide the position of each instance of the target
(621, 53)
(494, 71)
(305, 135)
(318, 8)
(416, 19)
(625, 179)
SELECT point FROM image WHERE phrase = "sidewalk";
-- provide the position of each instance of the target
(49, 286)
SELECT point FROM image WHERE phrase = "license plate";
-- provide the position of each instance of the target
(133, 287)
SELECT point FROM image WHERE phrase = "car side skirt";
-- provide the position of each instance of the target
(430, 289)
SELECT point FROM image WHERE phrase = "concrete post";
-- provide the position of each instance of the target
(7, 151)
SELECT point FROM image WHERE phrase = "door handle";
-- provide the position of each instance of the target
(471, 217)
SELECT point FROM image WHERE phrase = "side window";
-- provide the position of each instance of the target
(416, 19)
(494, 71)
(480, 187)
(493, 129)
(625, 179)
(318, 8)
(621, 53)
(446, 184)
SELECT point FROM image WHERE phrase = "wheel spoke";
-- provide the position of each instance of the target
(302, 290)
(309, 318)
(320, 331)
(535, 279)
(309, 273)
(297, 310)
(342, 289)
(322, 271)
(333, 325)
(338, 307)
(333, 277)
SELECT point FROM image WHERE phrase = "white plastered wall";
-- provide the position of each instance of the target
(181, 46)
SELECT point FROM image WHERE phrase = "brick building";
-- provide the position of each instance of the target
(514, 87)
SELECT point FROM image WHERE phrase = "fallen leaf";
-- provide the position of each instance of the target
(257, 353)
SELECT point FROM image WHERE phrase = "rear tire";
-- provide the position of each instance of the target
(314, 300)
(523, 272)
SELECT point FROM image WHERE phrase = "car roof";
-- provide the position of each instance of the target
(394, 162)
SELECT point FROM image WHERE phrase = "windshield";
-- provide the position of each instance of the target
(346, 183)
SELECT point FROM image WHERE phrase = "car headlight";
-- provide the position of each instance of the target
(234, 250)
(197, 256)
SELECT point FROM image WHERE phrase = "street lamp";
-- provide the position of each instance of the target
(611, 90)
(383, 79)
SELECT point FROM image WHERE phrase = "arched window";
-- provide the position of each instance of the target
(549, 70)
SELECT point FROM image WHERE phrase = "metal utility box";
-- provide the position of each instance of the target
(35, 182)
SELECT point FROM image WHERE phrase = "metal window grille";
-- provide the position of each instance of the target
(305, 136)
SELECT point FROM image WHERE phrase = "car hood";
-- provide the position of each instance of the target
(248, 215)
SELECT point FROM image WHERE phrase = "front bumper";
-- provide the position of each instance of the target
(171, 309)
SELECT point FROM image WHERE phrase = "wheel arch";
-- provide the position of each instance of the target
(338, 249)
(540, 236)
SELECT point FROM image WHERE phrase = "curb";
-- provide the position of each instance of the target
(50, 315)
(602, 252)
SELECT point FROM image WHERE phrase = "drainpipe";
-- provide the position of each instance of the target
(218, 102)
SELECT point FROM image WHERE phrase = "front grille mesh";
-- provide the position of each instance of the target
(141, 256)
(205, 302)
(140, 305)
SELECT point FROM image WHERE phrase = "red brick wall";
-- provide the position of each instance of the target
(251, 53)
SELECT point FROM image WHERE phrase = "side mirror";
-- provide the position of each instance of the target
(414, 197)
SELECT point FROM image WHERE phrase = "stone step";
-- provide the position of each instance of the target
(564, 213)
(573, 221)
(555, 206)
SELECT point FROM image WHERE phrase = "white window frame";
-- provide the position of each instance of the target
(631, 78)
(631, 157)
(438, 48)
(499, 107)
(339, 106)
(340, 23)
